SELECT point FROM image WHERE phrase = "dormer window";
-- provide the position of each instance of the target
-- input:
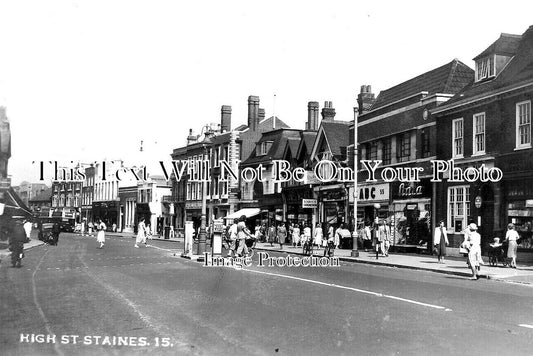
(263, 148)
(485, 68)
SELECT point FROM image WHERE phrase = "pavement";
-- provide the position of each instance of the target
(454, 265)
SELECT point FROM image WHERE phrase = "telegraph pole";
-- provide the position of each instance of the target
(355, 251)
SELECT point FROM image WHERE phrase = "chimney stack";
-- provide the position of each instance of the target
(328, 112)
(261, 115)
(365, 99)
(312, 116)
(253, 112)
(191, 138)
(225, 118)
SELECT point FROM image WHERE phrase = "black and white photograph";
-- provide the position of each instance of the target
(266, 177)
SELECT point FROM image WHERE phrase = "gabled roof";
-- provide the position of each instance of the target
(517, 73)
(307, 141)
(506, 45)
(335, 134)
(447, 79)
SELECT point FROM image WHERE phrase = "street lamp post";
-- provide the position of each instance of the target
(202, 235)
(355, 251)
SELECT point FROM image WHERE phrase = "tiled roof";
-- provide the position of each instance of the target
(517, 72)
(447, 79)
(279, 141)
(507, 45)
(337, 134)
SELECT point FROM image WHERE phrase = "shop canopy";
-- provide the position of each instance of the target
(14, 206)
(248, 212)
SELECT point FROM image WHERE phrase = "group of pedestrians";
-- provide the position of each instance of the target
(472, 245)
(236, 236)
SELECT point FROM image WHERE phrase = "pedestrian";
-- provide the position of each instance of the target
(367, 237)
(55, 232)
(384, 237)
(338, 236)
(377, 239)
(100, 236)
(148, 233)
(114, 227)
(272, 234)
(319, 235)
(512, 238)
(232, 237)
(295, 235)
(440, 241)
(474, 254)
(331, 233)
(16, 240)
(282, 235)
(82, 227)
(242, 234)
(307, 234)
(27, 228)
(141, 233)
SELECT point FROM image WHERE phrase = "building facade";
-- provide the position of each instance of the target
(486, 128)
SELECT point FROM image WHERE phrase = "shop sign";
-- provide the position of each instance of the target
(478, 202)
(333, 195)
(193, 205)
(309, 203)
(375, 192)
(404, 190)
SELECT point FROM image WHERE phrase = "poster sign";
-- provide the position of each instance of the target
(309, 204)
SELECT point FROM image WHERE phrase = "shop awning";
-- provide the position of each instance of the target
(248, 212)
(14, 206)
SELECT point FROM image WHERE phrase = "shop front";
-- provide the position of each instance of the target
(373, 201)
(411, 214)
(107, 211)
(332, 201)
(299, 205)
(519, 210)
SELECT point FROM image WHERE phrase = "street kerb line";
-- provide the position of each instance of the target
(352, 289)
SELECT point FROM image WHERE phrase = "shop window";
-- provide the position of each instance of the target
(458, 207)
(523, 124)
(457, 139)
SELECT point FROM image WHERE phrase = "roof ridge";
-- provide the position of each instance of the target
(454, 63)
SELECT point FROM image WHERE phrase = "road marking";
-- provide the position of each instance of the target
(36, 302)
(526, 326)
(352, 289)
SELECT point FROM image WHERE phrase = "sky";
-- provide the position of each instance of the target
(84, 81)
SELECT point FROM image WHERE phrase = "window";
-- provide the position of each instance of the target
(523, 124)
(217, 157)
(424, 137)
(387, 149)
(458, 207)
(485, 68)
(404, 147)
(457, 149)
(373, 155)
(479, 133)
(189, 191)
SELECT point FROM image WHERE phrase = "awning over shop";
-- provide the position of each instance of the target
(248, 212)
(14, 206)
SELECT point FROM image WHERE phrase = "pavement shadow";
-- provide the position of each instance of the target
(435, 262)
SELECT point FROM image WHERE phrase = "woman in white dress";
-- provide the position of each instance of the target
(319, 234)
(141, 233)
(295, 235)
(511, 237)
(100, 237)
